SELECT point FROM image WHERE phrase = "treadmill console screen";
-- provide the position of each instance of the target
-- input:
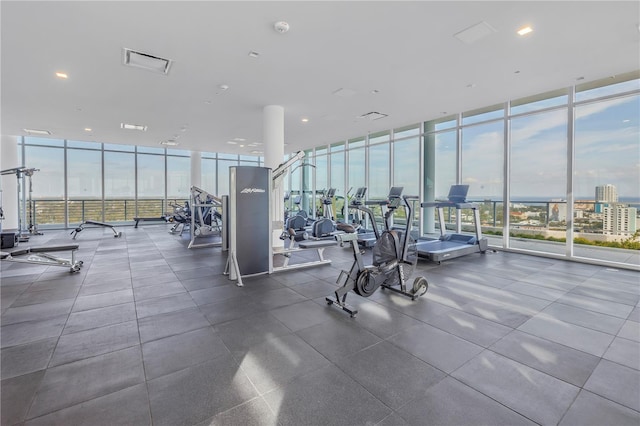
(458, 193)
(395, 192)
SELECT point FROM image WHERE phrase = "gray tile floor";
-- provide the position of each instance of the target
(150, 332)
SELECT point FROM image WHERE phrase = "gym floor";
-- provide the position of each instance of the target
(150, 332)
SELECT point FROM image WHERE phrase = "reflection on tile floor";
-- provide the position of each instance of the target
(150, 332)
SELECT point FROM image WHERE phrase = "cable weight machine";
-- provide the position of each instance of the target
(21, 172)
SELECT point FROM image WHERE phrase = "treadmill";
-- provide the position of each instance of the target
(452, 245)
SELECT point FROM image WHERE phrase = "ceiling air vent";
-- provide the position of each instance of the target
(475, 32)
(373, 115)
(146, 61)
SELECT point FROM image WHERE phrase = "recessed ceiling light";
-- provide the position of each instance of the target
(133, 127)
(239, 139)
(253, 54)
(525, 30)
(471, 86)
(305, 120)
(232, 142)
(37, 132)
(87, 129)
(257, 152)
(62, 75)
(169, 143)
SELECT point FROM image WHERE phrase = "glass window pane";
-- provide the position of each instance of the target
(445, 164)
(538, 181)
(404, 132)
(356, 143)
(379, 171)
(538, 102)
(337, 182)
(209, 175)
(178, 177)
(49, 181)
(223, 175)
(482, 160)
(151, 176)
(321, 150)
(321, 172)
(179, 152)
(406, 165)
(86, 145)
(357, 168)
(337, 147)
(440, 124)
(606, 163)
(228, 156)
(84, 174)
(208, 155)
(379, 137)
(149, 150)
(119, 175)
(484, 114)
(117, 147)
(29, 140)
(609, 86)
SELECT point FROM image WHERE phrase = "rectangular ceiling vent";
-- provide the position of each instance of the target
(374, 115)
(145, 61)
(475, 32)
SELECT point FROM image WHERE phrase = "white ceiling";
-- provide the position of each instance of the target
(405, 50)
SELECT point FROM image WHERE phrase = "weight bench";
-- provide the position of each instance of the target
(149, 219)
(76, 231)
(318, 245)
(40, 256)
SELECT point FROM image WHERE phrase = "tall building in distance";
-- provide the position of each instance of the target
(606, 194)
(619, 219)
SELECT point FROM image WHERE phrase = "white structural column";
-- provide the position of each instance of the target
(273, 143)
(196, 171)
(8, 183)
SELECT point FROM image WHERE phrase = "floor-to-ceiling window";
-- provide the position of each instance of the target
(84, 182)
(208, 171)
(151, 181)
(322, 178)
(538, 173)
(119, 183)
(440, 165)
(47, 183)
(606, 172)
(337, 179)
(406, 169)
(482, 166)
(178, 174)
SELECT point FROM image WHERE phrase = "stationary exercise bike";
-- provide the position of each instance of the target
(394, 259)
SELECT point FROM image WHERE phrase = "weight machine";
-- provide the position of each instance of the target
(20, 173)
(206, 217)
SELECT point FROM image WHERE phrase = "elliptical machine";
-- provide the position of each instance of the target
(394, 259)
